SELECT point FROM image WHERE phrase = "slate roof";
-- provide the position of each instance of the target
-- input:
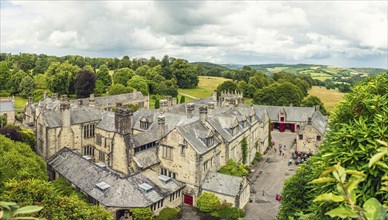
(113, 99)
(77, 116)
(6, 106)
(222, 183)
(293, 114)
(146, 158)
(124, 192)
(319, 122)
(195, 133)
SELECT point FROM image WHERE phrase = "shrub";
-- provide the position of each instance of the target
(208, 202)
(229, 213)
(257, 157)
(168, 214)
(142, 214)
(234, 169)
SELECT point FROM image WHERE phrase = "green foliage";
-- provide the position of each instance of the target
(280, 94)
(313, 101)
(168, 214)
(184, 73)
(103, 75)
(244, 149)
(19, 162)
(354, 128)
(3, 121)
(5, 74)
(139, 83)
(183, 99)
(117, 89)
(229, 213)
(258, 157)
(121, 76)
(227, 86)
(234, 169)
(14, 82)
(346, 194)
(27, 87)
(61, 77)
(40, 81)
(85, 83)
(142, 214)
(55, 205)
(208, 202)
(157, 104)
(10, 210)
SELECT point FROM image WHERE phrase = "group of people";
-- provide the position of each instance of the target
(282, 149)
(299, 157)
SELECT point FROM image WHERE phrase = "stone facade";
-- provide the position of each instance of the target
(7, 109)
(183, 142)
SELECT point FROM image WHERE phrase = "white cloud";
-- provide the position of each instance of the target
(217, 31)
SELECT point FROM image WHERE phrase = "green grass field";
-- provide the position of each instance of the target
(329, 97)
(205, 88)
(20, 102)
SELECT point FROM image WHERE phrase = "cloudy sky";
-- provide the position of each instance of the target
(341, 33)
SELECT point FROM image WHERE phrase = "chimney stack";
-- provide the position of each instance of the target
(45, 94)
(91, 101)
(80, 102)
(123, 120)
(163, 105)
(30, 100)
(210, 107)
(64, 107)
(202, 113)
(190, 110)
(161, 126)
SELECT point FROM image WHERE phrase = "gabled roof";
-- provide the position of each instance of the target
(77, 116)
(124, 192)
(195, 134)
(294, 114)
(146, 158)
(222, 183)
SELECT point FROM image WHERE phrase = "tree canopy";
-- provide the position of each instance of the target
(355, 127)
(85, 83)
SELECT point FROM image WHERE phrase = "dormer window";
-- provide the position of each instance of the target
(145, 187)
(209, 139)
(144, 124)
(234, 126)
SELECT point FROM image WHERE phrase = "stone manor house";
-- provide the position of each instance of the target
(150, 158)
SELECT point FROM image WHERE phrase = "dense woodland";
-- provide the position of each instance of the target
(31, 75)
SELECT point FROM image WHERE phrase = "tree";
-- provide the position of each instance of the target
(139, 83)
(61, 77)
(313, 101)
(157, 104)
(354, 128)
(100, 87)
(5, 74)
(208, 202)
(18, 161)
(85, 83)
(10, 210)
(227, 86)
(103, 75)
(142, 214)
(14, 82)
(40, 81)
(55, 205)
(168, 214)
(27, 87)
(117, 89)
(121, 76)
(278, 94)
(184, 73)
(183, 99)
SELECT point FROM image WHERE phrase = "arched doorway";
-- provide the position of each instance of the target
(123, 214)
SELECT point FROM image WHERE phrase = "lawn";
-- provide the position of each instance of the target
(329, 97)
(20, 102)
(205, 88)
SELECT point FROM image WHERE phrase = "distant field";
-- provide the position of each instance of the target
(20, 102)
(205, 88)
(329, 97)
(321, 76)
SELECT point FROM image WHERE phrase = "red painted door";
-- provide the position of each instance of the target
(292, 127)
(188, 200)
(282, 127)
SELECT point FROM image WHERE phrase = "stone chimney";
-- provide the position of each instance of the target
(163, 104)
(92, 101)
(210, 107)
(161, 126)
(55, 96)
(64, 107)
(45, 95)
(291, 104)
(174, 101)
(123, 120)
(30, 101)
(169, 100)
(80, 102)
(214, 97)
(190, 110)
(317, 108)
(202, 113)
